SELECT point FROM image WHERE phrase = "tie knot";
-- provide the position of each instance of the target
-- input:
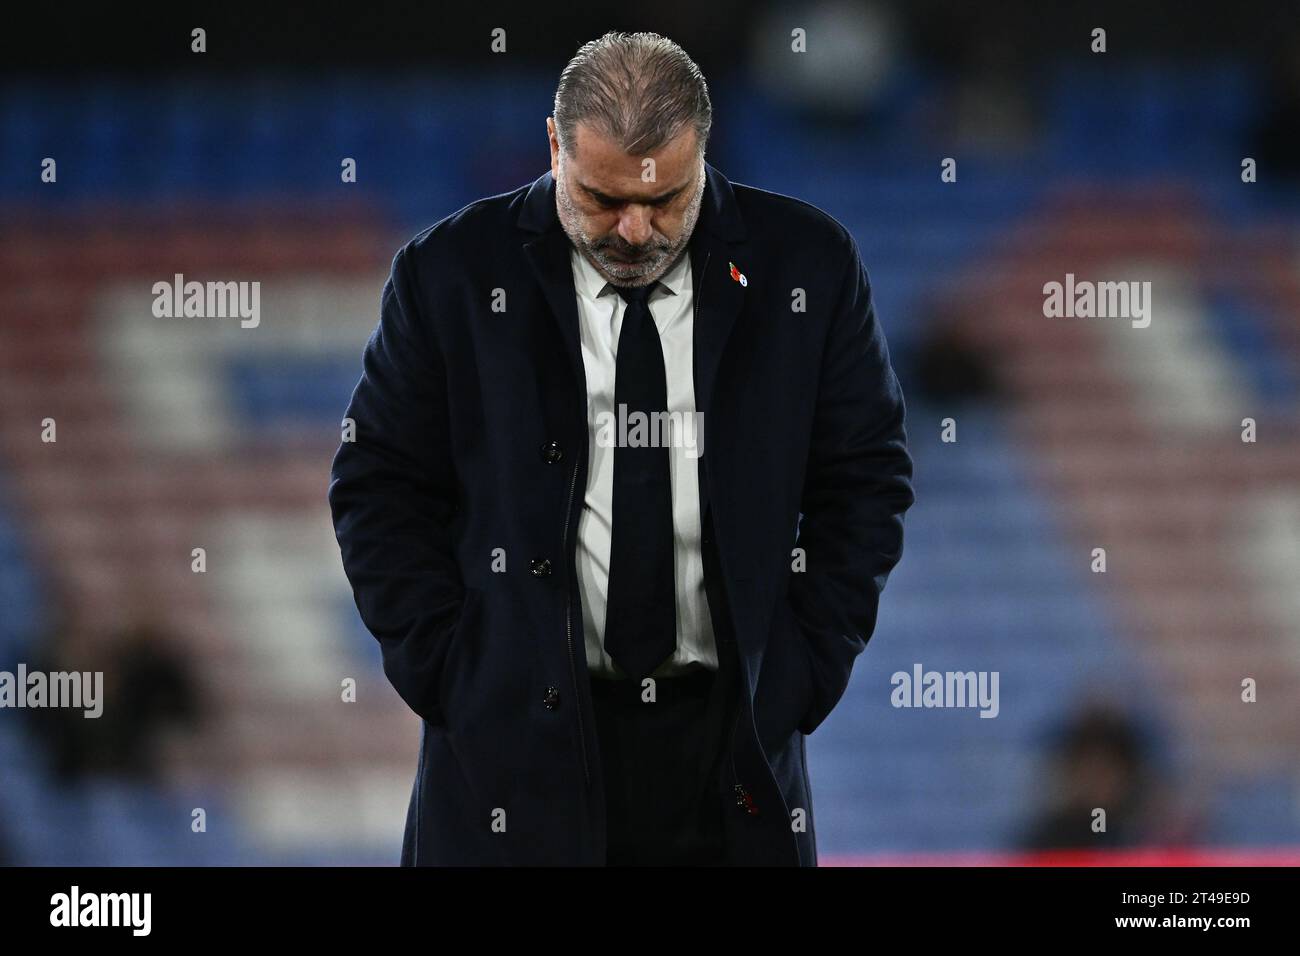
(631, 294)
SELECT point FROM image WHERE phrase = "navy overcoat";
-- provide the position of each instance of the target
(470, 455)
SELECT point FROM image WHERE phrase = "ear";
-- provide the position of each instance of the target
(555, 147)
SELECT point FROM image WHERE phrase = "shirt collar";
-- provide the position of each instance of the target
(592, 284)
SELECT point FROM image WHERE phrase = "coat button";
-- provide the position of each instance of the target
(540, 567)
(552, 452)
(552, 698)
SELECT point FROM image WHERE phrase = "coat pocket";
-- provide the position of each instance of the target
(785, 686)
(459, 651)
(804, 651)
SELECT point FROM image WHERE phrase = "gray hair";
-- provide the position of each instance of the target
(641, 89)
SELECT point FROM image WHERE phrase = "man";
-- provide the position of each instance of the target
(618, 635)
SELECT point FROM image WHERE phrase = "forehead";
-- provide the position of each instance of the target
(600, 163)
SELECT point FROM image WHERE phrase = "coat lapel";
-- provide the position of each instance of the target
(718, 299)
(548, 256)
(717, 241)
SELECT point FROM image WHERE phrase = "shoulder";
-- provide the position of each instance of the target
(792, 222)
(796, 239)
(465, 234)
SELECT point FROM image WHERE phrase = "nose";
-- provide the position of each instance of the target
(634, 225)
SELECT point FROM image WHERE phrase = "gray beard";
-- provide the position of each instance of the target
(630, 274)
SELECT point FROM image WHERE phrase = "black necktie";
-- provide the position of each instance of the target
(641, 614)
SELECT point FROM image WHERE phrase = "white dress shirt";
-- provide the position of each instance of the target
(600, 315)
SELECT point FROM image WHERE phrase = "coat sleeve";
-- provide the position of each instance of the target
(856, 489)
(392, 495)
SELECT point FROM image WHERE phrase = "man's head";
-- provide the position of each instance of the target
(632, 118)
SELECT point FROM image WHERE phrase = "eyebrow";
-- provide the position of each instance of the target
(601, 197)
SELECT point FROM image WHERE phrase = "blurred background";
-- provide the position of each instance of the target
(1120, 689)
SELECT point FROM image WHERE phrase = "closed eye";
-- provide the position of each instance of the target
(609, 202)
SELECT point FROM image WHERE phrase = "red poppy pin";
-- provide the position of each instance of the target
(737, 275)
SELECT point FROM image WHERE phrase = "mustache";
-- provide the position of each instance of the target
(622, 247)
